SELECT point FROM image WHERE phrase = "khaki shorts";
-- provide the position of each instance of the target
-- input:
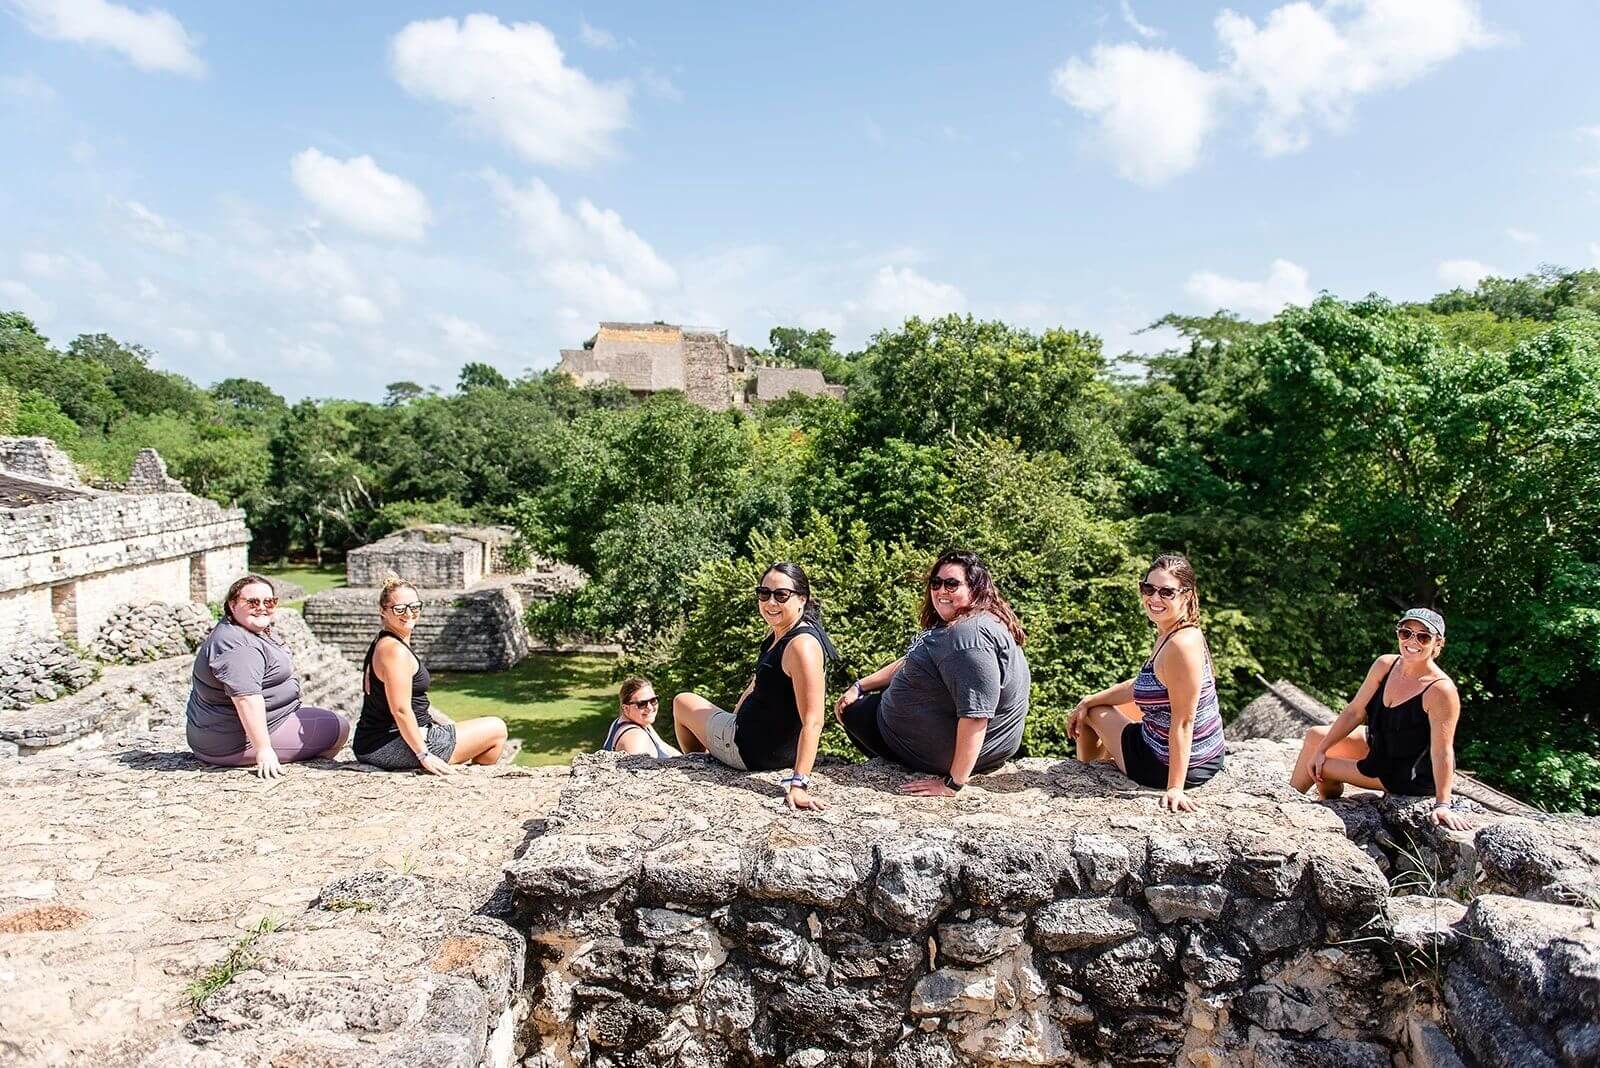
(720, 727)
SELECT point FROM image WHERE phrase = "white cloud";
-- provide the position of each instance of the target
(464, 335)
(590, 257)
(897, 293)
(55, 266)
(305, 356)
(151, 40)
(361, 195)
(1521, 237)
(19, 296)
(1594, 253)
(595, 37)
(1306, 65)
(1465, 273)
(660, 85)
(146, 226)
(1134, 24)
(1286, 283)
(512, 82)
(873, 131)
(358, 310)
(1154, 107)
(26, 86)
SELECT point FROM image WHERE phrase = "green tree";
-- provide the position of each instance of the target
(396, 394)
(140, 388)
(481, 376)
(248, 403)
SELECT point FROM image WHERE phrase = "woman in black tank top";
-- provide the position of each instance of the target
(1398, 733)
(778, 720)
(400, 729)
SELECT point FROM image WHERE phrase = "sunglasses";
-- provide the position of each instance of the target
(403, 610)
(764, 594)
(1167, 592)
(648, 702)
(948, 584)
(257, 603)
(1406, 634)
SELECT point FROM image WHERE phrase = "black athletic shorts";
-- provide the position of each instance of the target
(1146, 769)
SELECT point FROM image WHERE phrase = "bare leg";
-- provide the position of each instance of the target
(1106, 724)
(689, 714)
(479, 740)
(1348, 750)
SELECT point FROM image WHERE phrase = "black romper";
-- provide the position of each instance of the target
(1401, 742)
(767, 732)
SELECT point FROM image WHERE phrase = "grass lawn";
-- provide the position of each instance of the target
(559, 706)
(314, 579)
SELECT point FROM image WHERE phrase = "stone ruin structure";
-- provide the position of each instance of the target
(473, 594)
(69, 554)
(648, 358)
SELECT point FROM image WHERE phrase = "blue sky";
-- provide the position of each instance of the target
(330, 197)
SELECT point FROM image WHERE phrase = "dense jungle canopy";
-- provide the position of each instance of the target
(1324, 470)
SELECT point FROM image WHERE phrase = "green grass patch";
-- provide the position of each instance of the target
(239, 959)
(314, 579)
(559, 706)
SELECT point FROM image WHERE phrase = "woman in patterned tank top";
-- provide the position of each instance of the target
(1176, 741)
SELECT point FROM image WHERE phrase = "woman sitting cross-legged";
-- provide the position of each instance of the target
(633, 731)
(1177, 743)
(778, 720)
(399, 729)
(244, 707)
(1409, 708)
(955, 704)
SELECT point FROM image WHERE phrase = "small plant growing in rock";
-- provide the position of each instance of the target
(240, 957)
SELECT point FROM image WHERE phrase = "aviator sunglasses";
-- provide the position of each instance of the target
(255, 604)
(1167, 592)
(766, 593)
(950, 585)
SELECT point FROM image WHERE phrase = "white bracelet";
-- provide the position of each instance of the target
(795, 780)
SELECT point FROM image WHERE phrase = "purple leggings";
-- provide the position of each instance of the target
(305, 733)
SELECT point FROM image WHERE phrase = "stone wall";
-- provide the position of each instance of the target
(83, 557)
(460, 630)
(680, 916)
(135, 633)
(706, 369)
(42, 669)
(432, 561)
(38, 458)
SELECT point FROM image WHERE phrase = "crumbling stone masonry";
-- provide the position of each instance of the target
(70, 554)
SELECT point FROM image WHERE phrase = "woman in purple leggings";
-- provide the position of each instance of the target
(244, 708)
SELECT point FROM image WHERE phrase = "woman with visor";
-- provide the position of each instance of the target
(778, 720)
(1398, 733)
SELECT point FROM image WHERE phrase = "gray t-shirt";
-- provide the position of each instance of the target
(233, 662)
(971, 668)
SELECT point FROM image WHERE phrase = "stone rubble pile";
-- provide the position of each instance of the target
(41, 670)
(153, 630)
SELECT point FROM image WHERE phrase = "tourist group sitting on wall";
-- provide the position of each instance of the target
(953, 706)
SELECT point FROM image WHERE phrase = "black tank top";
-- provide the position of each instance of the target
(768, 728)
(1400, 737)
(376, 725)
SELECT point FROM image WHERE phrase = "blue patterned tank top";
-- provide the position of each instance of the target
(1153, 700)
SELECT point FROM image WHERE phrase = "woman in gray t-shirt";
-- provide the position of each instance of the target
(244, 707)
(956, 703)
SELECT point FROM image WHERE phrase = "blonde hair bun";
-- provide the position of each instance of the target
(391, 582)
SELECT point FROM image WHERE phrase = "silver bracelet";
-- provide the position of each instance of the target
(801, 781)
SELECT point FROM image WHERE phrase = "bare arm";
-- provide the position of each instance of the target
(393, 664)
(803, 663)
(1443, 705)
(970, 732)
(252, 709)
(634, 741)
(878, 680)
(1181, 668)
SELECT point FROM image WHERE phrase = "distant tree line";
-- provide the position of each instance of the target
(1324, 470)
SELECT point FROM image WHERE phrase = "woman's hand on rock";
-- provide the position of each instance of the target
(1444, 817)
(432, 765)
(929, 787)
(797, 798)
(1177, 801)
(267, 766)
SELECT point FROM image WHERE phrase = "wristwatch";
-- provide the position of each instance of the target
(423, 755)
(951, 784)
(796, 780)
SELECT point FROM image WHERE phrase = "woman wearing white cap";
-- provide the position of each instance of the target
(1398, 733)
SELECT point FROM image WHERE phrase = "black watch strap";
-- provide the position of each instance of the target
(952, 784)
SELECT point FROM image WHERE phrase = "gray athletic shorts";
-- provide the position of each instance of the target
(396, 755)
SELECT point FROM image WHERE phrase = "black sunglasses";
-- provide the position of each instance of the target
(648, 702)
(1167, 592)
(764, 593)
(950, 584)
(1406, 634)
(412, 609)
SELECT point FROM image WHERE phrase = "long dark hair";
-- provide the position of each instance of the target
(812, 613)
(985, 597)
